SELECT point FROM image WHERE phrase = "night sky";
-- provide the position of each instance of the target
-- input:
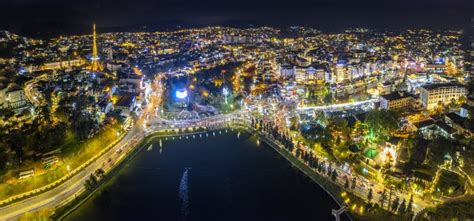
(28, 15)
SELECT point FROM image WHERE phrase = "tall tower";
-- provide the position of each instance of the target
(95, 65)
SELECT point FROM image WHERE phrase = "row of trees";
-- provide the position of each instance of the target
(93, 179)
(270, 129)
(307, 157)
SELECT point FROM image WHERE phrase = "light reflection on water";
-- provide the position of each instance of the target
(184, 195)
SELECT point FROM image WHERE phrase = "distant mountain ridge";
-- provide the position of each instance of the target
(46, 30)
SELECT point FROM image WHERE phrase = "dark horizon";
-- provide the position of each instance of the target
(54, 17)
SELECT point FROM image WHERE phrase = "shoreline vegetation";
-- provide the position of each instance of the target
(76, 156)
(338, 194)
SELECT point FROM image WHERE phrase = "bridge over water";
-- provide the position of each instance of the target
(342, 106)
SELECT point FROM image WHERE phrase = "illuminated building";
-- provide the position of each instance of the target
(62, 65)
(339, 73)
(110, 53)
(397, 100)
(434, 94)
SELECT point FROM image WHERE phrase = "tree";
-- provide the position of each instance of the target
(17, 143)
(410, 205)
(329, 98)
(382, 121)
(438, 148)
(81, 122)
(369, 195)
(395, 204)
(334, 175)
(346, 184)
(353, 183)
(320, 168)
(91, 182)
(402, 207)
(389, 198)
(3, 161)
(451, 68)
(382, 197)
(100, 173)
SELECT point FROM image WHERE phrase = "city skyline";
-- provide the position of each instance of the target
(248, 110)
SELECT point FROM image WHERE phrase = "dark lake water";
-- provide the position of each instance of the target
(216, 178)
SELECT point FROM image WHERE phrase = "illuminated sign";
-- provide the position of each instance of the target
(181, 94)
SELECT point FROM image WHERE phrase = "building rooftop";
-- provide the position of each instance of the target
(435, 86)
(442, 125)
(125, 100)
(396, 95)
(424, 123)
(455, 118)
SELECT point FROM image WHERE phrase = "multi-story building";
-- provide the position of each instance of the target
(340, 73)
(287, 71)
(441, 94)
(397, 100)
(58, 65)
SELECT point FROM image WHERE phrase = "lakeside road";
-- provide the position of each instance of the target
(74, 185)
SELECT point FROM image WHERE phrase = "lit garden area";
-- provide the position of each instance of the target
(205, 93)
(449, 184)
(460, 208)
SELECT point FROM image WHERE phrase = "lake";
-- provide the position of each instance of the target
(221, 177)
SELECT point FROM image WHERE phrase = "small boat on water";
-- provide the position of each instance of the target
(161, 144)
(238, 135)
(149, 147)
